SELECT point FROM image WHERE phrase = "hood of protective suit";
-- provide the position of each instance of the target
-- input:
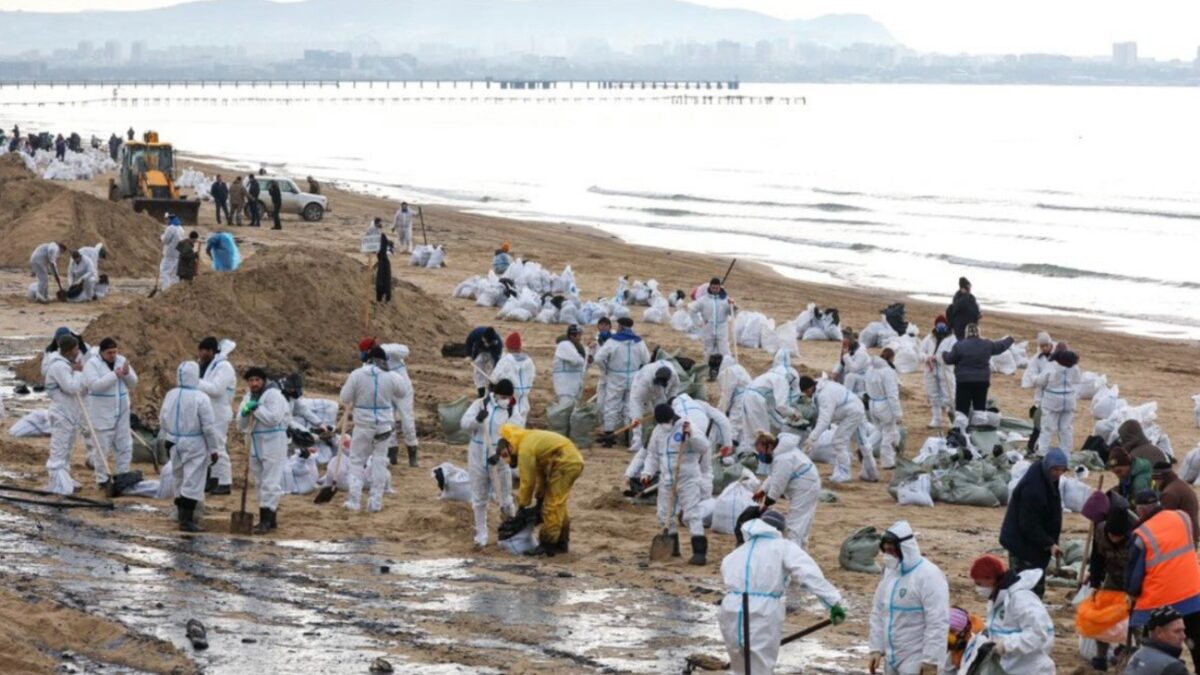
(908, 548)
(224, 347)
(782, 361)
(188, 374)
(513, 434)
(396, 352)
(758, 528)
(1025, 581)
(879, 362)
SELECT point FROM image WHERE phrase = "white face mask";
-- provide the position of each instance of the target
(890, 561)
(984, 592)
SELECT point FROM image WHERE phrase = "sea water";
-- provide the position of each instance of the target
(1072, 200)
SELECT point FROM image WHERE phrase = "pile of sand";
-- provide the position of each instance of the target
(288, 308)
(34, 211)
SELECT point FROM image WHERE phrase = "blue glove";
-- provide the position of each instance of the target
(249, 407)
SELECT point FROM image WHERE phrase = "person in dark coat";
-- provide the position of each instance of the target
(1033, 521)
(276, 203)
(1132, 439)
(962, 310)
(254, 189)
(1159, 654)
(1176, 494)
(1109, 556)
(383, 271)
(972, 361)
(220, 195)
(188, 256)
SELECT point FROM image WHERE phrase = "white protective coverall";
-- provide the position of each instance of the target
(762, 568)
(1018, 619)
(910, 615)
(168, 269)
(488, 482)
(669, 452)
(1029, 379)
(396, 354)
(108, 405)
(939, 377)
(92, 253)
(883, 391)
(570, 371)
(43, 259)
(619, 359)
(309, 414)
(83, 270)
(793, 475)
(1060, 395)
(402, 226)
(837, 405)
(852, 368)
(219, 382)
(517, 368)
(732, 380)
(64, 386)
(766, 406)
(645, 394)
(268, 444)
(187, 420)
(485, 363)
(713, 312)
(374, 394)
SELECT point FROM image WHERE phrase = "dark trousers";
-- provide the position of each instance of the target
(255, 215)
(1191, 627)
(224, 206)
(275, 215)
(1018, 565)
(969, 395)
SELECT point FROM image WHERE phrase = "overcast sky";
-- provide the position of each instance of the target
(1162, 28)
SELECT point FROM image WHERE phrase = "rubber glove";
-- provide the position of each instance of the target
(873, 662)
(482, 415)
(837, 614)
(249, 407)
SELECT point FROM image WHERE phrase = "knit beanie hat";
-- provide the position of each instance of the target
(513, 342)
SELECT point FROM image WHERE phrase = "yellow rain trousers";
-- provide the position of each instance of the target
(548, 465)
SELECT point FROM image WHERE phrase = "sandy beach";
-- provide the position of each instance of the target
(569, 614)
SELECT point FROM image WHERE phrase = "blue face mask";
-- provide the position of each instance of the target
(362, 356)
(764, 458)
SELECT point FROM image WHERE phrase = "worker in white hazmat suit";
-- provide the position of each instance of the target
(65, 384)
(767, 404)
(732, 381)
(95, 254)
(491, 480)
(406, 421)
(188, 423)
(82, 271)
(793, 475)
(619, 359)
(883, 395)
(1017, 623)
(110, 378)
(44, 262)
(374, 392)
(910, 615)
(264, 415)
(402, 226)
(853, 365)
(168, 269)
(677, 452)
(837, 405)
(317, 416)
(219, 382)
(571, 360)
(939, 376)
(516, 367)
(703, 417)
(484, 350)
(1037, 365)
(654, 383)
(1060, 395)
(757, 574)
(712, 312)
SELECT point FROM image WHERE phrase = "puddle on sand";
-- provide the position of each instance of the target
(323, 606)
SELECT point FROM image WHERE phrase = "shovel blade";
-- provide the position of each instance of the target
(661, 547)
(110, 490)
(325, 495)
(241, 522)
(705, 662)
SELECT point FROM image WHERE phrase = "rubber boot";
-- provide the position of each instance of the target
(675, 553)
(699, 551)
(394, 455)
(607, 440)
(412, 455)
(564, 538)
(264, 522)
(274, 519)
(479, 392)
(187, 513)
(210, 485)
(635, 488)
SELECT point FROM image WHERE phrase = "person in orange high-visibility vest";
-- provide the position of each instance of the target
(1163, 569)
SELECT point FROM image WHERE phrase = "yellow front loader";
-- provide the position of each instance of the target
(147, 176)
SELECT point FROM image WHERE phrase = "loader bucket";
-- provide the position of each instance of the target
(188, 210)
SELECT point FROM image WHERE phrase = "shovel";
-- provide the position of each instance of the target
(662, 546)
(704, 662)
(326, 494)
(110, 490)
(242, 522)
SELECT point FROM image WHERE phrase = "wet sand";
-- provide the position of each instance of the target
(603, 607)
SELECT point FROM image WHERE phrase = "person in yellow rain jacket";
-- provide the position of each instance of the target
(548, 465)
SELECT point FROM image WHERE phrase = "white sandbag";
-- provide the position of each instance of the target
(1196, 408)
(659, 311)
(931, 449)
(985, 418)
(735, 498)
(1090, 384)
(1164, 443)
(34, 425)
(783, 337)
(1074, 493)
(1016, 473)
(420, 255)
(521, 543)
(143, 488)
(877, 333)
(467, 288)
(1004, 364)
(915, 492)
(748, 327)
(706, 511)
(1020, 352)
(1190, 470)
(1104, 402)
(437, 258)
(166, 482)
(457, 487)
(681, 321)
(822, 448)
(806, 319)
(908, 353)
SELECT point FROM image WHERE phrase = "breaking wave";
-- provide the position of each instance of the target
(1122, 211)
(834, 207)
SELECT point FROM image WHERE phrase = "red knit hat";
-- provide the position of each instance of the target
(987, 567)
(365, 344)
(513, 342)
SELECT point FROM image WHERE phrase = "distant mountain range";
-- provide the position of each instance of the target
(397, 25)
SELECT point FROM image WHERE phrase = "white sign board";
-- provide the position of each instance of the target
(370, 243)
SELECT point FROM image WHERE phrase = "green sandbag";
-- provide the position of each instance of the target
(827, 497)
(142, 456)
(985, 439)
(964, 485)
(584, 420)
(905, 470)
(450, 415)
(695, 386)
(858, 551)
(724, 475)
(558, 417)
(1010, 424)
(1086, 458)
